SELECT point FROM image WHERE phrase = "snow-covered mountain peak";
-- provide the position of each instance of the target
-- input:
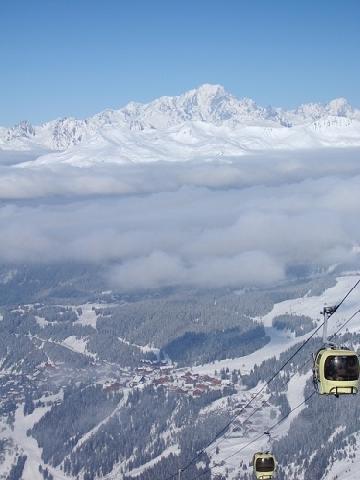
(208, 90)
(22, 129)
(208, 103)
(309, 111)
(205, 96)
(212, 115)
(340, 107)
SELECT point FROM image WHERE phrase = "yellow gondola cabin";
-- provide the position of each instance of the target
(336, 371)
(264, 465)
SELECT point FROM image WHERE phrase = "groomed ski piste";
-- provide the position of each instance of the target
(235, 438)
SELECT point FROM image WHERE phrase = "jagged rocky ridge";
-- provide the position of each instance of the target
(189, 119)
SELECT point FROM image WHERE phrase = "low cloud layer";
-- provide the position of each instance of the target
(207, 225)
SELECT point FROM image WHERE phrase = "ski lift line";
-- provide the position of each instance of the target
(330, 338)
(282, 419)
(259, 436)
(291, 376)
(295, 408)
(346, 296)
(231, 421)
(226, 438)
(270, 380)
(214, 447)
(315, 332)
(330, 363)
(301, 367)
(344, 325)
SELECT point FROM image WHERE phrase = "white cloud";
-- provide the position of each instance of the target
(208, 225)
(162, 270)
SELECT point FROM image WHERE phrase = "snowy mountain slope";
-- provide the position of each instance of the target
(207, 122)
(238, 437)
(201, 141)
(348, 467)
(280, 342)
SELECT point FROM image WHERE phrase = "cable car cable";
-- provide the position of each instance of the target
(301, 367)
(225, 428)
(284, 365)
(346, 296)
(344, 325)
(259, 436)
(307, 361)
(291, 376)
(231, 421)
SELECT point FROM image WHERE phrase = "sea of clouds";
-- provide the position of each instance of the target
(229, 223)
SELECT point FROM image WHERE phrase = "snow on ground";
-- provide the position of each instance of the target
(89, 434)
(88, 316)
(243, 431)
(295, 396)
(217, 405)
(77, 344)
(279, 342)
(312, 305)
(346, 468)
(228, 446)
(173, 449)
(282, 340)
(231, 443)
(7, 457)
(296, 387)
(231, 459)
(41, 321)
(29, 445)
(142, 348)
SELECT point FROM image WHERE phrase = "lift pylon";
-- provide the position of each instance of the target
(327, 312)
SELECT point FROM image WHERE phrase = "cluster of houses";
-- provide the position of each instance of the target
(180, 381)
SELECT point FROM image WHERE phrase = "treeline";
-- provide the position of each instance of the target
(82, 408)
(137, 428)
(197, 348)
(297, 324)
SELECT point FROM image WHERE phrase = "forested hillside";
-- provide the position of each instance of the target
(134, 386)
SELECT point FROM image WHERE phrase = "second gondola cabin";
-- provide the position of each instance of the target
(264, 465)
(336, 371)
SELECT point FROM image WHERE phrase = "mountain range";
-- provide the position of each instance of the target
(204, 123)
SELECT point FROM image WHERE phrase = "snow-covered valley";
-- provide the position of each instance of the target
(192, 382)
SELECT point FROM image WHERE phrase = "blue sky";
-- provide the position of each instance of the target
(78, 57)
